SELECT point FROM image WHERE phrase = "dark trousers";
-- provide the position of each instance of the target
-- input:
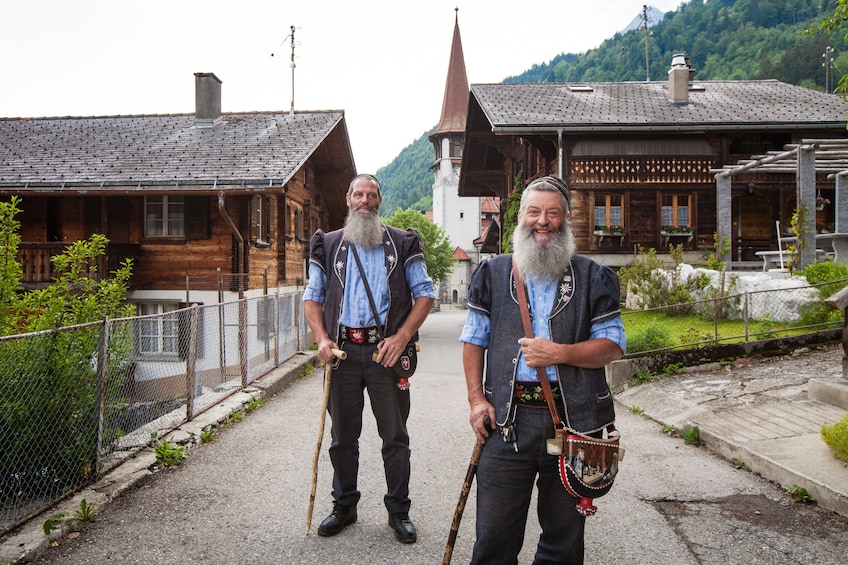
(390, 406)
(504, 486)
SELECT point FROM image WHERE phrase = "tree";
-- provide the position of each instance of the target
(10, 268)
(53, 382)
(438, 250)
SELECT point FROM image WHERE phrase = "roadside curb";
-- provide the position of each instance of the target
(815, 452)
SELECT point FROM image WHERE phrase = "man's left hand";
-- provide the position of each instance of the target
(540, 352)
(389, 350)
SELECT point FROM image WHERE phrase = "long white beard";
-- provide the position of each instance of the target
(543, 261)
(364, 230)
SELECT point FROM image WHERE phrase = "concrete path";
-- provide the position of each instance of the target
(244, 497)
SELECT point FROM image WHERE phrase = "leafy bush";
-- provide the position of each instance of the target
(828, 277)
(654, 336)
(49, 383)
(826, 272)
(656, 285)
(836, 438)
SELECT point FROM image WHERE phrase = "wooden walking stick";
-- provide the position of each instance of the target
(328, 370)
(460, 505)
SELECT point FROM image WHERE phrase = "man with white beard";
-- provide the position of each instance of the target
(577, 329)
(339, 312)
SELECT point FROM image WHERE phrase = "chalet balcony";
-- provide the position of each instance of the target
(641, 170)
(37, 269)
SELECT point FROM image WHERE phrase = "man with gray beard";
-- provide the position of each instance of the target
(577, 329)
(339, 312)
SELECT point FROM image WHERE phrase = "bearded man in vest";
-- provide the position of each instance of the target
(577, 329)
(340, 315)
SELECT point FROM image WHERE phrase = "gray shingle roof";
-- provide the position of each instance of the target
(645, 105)
(242, 148)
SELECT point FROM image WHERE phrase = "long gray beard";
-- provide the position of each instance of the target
(364, 230)
(546, 261)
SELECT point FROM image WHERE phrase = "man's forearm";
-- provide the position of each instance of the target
(314, 312)
(472, 362)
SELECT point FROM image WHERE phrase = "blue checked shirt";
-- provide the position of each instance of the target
(541, 295)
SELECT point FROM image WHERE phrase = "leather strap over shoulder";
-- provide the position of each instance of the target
(528, 332)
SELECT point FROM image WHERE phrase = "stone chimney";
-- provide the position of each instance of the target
(207, 98)
(678, 80)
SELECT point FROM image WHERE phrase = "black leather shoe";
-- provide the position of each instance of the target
(403, 527)
(340, 517)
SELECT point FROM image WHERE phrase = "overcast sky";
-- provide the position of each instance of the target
(383, 62)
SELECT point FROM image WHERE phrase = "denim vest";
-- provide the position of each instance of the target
(588, 293)
(330, 253)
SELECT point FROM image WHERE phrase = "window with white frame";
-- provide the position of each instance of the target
(159, 330)
(164, 216)
(609, 212)
(675, 211)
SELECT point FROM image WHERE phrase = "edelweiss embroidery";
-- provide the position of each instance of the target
(565, 291)
(566, 288)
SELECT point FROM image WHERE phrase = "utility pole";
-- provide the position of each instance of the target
(290, 37)
(644, 27)
(291, 112)
(828, 68)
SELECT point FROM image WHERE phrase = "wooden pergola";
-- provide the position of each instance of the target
(805, 159)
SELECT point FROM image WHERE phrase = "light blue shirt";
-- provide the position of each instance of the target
(541, 295)
(356, 311)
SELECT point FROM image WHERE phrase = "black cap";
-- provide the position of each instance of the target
(555, 182)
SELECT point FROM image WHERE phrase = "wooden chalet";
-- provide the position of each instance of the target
(640, 157)
(191, 198)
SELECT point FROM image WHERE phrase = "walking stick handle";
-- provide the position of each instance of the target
(328, 371)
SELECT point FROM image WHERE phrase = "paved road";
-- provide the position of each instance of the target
(243, 498)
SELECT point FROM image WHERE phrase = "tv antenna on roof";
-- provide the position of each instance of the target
(290, 37)
(644, 27)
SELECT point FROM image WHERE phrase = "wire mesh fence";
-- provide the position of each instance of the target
(731, 318)
(77, 401)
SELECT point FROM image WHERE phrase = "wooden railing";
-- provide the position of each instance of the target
(36, 267)
(640, 169)
(34, 259)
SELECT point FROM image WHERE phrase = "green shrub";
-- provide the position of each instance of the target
(826, 272)
(836, 438)
(654, 336)
(657, 285)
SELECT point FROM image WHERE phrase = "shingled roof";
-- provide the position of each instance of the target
(645, 106)
(239, 151)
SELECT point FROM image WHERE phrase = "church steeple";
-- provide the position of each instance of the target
(455, 102)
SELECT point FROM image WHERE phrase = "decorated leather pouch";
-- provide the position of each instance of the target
(588, 466)
(406, 365)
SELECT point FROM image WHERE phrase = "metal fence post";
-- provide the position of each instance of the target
(191, 363)
(102, 362)
(242, 339)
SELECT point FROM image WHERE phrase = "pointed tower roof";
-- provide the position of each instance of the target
(455, 103)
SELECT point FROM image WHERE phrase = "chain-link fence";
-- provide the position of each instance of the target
(731, 318)
(75, 402)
